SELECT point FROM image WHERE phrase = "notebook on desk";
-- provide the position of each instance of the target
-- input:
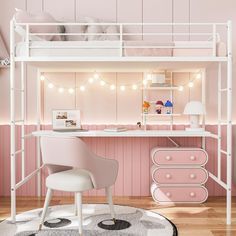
(66, 121)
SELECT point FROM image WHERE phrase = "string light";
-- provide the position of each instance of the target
(112, 87)
(96, 76)
(71, 90)
(50, 85)
(149, 76)
(102, 83)
(42, 77)
(145, 82)
(181, 88)
(61, 90)
(122, 88)
(190, 84)
(82, 88)
(134, 87)
(198, 76)
(91, 80)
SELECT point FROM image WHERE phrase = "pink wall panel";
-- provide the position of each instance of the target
(102, 9)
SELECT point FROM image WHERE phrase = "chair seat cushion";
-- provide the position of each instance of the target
(74, 180)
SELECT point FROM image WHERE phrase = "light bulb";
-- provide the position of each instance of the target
(145, 82)
(149, 76)
(96, 76)
(102, 83)
(71, 90)
(61, 90)
(91, 80)
(181, 88)
(190, 84)
(134, 86)
(50, 85)
(42, 77)
(82, 88)
(198, 76)
(122, 88)
(112, 87)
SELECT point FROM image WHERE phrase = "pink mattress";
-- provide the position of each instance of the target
(221, 50)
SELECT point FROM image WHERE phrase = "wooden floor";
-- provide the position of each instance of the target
(191, 220)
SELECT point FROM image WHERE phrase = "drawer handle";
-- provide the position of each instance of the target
(192, 194)
(168, 194)
(192, 176)
(192, 158)
(168, 158)
(168, 176)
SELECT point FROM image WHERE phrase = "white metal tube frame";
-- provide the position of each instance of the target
(208, 44)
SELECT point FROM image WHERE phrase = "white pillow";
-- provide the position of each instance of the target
(75, 29)
(22, 16)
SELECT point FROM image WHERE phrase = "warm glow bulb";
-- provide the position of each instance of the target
(96, 76)
(42, 77)
(149, 76)
(50, 85)
(61, 90)
(145, 82)
(102, 83)
(134, 86)
(190, 84)
(198, 76)
(181, 88)
(112, 87)
(122, 88)
(71, 90)
(82, 88)
(91, 80)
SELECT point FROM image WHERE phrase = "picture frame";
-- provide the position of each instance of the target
(66, 119)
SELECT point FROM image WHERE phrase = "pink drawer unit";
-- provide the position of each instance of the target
(179, 175)
(179, 194)
(179, 156)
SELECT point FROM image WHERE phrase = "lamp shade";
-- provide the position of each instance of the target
(194, 108)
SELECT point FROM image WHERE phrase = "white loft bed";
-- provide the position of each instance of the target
(121, 54)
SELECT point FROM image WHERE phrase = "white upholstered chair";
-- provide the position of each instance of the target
(74, 168)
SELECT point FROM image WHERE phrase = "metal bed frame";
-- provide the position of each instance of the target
(121, 58)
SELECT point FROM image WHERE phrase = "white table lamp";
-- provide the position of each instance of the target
(194, 109)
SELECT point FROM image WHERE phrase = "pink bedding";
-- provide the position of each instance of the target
(221, 50)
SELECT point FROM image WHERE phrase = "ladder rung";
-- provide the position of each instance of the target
(17, 121)
(18, 90)
(27, 136)
(224, 152)
(223, 90)
(19, 151)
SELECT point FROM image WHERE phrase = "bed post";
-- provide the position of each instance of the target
(12, 116)
(229, 120)
(203, 75)
(38, 128)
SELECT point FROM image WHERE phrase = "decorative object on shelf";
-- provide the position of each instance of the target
(194, 109)
(158, 80)
(139, 124)
(159, 106)
(5, 62)
(146, 106)
(169, 107)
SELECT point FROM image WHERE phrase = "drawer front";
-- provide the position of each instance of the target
(180, 157)
(181, 175)
(180, 194)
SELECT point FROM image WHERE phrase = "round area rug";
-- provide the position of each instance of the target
(61, 221)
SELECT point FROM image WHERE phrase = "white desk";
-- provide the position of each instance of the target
(128, 133)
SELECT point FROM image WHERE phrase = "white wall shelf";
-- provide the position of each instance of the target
(160, 115)
(161, 88)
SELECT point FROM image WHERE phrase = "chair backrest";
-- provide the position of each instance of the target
(65, 151)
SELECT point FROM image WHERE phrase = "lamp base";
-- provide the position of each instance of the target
(194, 129)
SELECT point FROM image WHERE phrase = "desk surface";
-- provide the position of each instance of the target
(128, 133)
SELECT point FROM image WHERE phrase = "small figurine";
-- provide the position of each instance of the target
(168, 106)
(146, 106)
(159, 106)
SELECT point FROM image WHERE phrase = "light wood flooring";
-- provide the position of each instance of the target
(191, 220)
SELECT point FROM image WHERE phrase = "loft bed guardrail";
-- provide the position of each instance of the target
(121, 41)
